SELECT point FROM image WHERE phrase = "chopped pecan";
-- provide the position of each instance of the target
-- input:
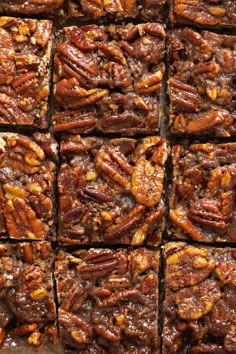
(81, 63)
(197, 301)
(126, 224)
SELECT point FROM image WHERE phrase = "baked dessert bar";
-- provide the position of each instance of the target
(25, 52)
(28, 311)
(108, 300)
(110, 191)
(202, 202)
(27, 183)
(202, 83)
(199, 308)
(108, 78)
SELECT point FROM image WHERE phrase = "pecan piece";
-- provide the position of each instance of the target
(11, 112)
(184, 97)
(149, 82)
(7, 67)
(179, 218)
(125, 225)
(230, 339)
(226, 272)
(147, 182)
(114, 167)
(25, 83)
(21, 220)
(78, 38)
(115, 298)
(27, 60)
(207, 212)
(43, 32)
(113, 52)
(197, 301)
(97, 270)
(79, 61)
(187, 267)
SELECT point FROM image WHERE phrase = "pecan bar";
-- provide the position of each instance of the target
(202, 83)
(116, 9)
(203, 202)
(108, 78)
(25, 50)
(199, 307)
(110, 191)
(27, 182)
(27, 305)
(108, 300)
(214, 13)
(30, 7)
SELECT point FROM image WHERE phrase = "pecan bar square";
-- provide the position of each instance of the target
(213, 13)
(110, 191)
(199, 307)
(27, 307)
(25, 51)
(203, 202)
(202, 83)
(115, 9)
(30, 7)
(27, 183)
(108, 300)
(108, 78)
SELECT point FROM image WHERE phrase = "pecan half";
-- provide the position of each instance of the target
(147, 182)
(188, 267)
